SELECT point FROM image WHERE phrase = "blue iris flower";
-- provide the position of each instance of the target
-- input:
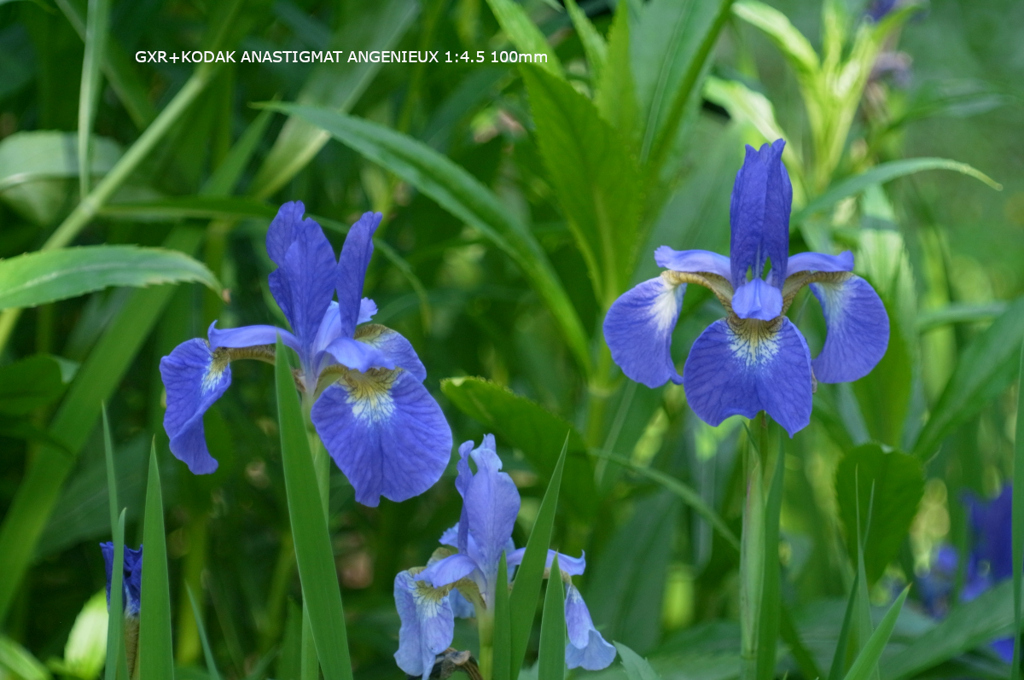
(755, 359)
(373, 414)
(463, 575)
(131, 584)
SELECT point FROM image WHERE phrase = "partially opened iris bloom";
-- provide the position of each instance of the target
(364, 381)
(755, 359)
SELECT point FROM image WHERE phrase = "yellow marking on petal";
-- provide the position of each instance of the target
(369, 393)
(371, 333)
(718, 285)
(754, 342)
(797, 281)
(219, 361)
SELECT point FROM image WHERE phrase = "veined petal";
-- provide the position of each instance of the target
(759, 215)
(385, 432)
(448, 570)
(394, 347)
(755, 299)
(638, 330)
(428, 624)
(489, 511)
(857, 330)
(355, 258)
(820, 262)
(303, 283)
(759, 366)
(693, 261)
(249, 336)
(194, 378)
(586, 648)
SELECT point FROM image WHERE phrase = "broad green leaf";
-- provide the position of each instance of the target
(92, 84)
(211, 664)
(1017, 547)
(313, 553)
(593, 44)
(502, 643)
(336, 87)
(524, 34)
(983, 371)
(19, 662)
(791, 42)
(598, 184)
(636, 667)
(36, 278)
(529, 427)
(615, 92)
(85, 651)
(29, 383)
(522, 601)
(156, 653)
(890, 486)
(203, 207)
(74, 420)
(670, 49)
(866, 664)
(885, 172)
(551, 657)
(463, 196)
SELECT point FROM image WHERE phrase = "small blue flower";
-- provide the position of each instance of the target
(755, 359)
(429, 599)
(375, 418)
(131, 584)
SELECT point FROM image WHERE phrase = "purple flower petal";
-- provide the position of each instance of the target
(759, 214)
(194, 379)
(428, 625)
(355, 258)
(450, 536)
(586, 648)
(755, 299)
(730, 374)
(693, 261)
(131, 583)
(249, 336)
(820, 262)
(570, 566)
(367, 308)
(448, 570)
(489, 514)
(394, 347)
(638, 330)
(857, 330)
(358, 356)
(385, 432)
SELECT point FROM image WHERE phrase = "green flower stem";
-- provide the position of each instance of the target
(86, 210)
(485, 630)
(752, 558)
(321, 465)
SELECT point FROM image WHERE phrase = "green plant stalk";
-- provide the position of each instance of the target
(86, 210)
(751, 562)
(485, 631)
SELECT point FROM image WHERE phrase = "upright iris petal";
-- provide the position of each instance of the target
(755, 359)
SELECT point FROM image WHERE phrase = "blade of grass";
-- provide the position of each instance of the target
(156, 654)
(211, 664)
(839, 658)
(551, 659)
(92, 83)
(1018, 520)
(523, 600)
(866, 665)
(108, 452)
(116, 661)
(502, 633)
(317, 573)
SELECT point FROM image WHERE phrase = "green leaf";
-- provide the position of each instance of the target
(636, 667)
(523, 33)
(502, 666)
(85, 651)
(222, 182)
(116, 662)
(958, 312)
(1017, 545)
(983, 371)
(92, 84)
(885, 172)
(190, 207)
(529, 427)
(614, 91)
(768, 621)
(211, 664)
(156, 654)
(37, 278)
(551, 657)
(19, 662)
(317, 574)
(791, 42)
(523, 599)
(29, 383)
(593, 44)
(889, 486)
(335, 86)
(866, 665)
(463, 196)
(597, 181)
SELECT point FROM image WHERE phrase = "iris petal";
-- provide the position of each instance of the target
(586, 648)
(693, 261)
(820, 262)
(428, 625)
(358, 356)
(392, 345)
(755, 299)
(857, 330)
(385, 432)
(355, 258)
(448, 570)
(731, 372)
(570, 566)
(194, 378)
(491, 506)
(131, 583)
(638, 330)
(759, 214)
(249, 336)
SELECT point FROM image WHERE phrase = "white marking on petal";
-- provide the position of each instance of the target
(218, 362)
(663, 311)
(755, 342)
(369, 394)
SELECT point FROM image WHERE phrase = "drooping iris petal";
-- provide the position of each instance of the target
(820, 262)
(249, 336)
(755, 299)
(394, 346)
(693, 261)
(131, 583)
(586, 648)
(302, 284)
(428, 624)
(570, 566)
(355, 258)
(385, 432)
(447, 570)
(857, 329)
(194, 378)
(759, 215)
(358, 356)
(638, 330)
(731, 372)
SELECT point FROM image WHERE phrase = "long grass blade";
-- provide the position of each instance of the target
(116, 661)
(96, 25)
(551, 659)
(211, 663)
(866, 665)
(502, 642)
(156, 653)
(1017, 546)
